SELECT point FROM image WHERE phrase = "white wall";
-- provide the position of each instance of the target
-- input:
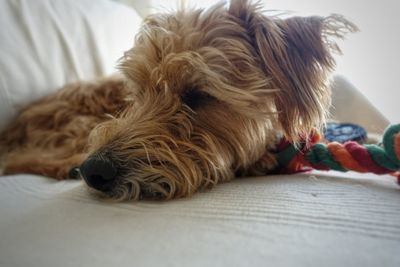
(371, 57)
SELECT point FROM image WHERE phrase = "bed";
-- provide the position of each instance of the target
(309, 219)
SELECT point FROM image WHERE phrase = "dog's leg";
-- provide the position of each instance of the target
(49, 137)
(42, 164)
(265, 165)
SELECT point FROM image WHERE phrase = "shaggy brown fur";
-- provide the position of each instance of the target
(202, 97)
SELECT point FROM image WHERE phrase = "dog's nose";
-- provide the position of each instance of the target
(99, 173)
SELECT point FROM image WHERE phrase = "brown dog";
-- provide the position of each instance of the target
(202, 97)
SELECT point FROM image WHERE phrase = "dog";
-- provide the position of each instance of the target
(202, 97)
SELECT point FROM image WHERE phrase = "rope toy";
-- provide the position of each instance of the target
(350, 156)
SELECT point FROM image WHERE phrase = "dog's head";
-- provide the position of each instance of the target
(212, 89)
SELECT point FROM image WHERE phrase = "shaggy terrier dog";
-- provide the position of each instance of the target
(202, 97)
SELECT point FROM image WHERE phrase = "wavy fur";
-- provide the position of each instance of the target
(202, 98)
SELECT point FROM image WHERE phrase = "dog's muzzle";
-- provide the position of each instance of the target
(99, 173)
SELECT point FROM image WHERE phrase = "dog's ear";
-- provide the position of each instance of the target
(296, 53)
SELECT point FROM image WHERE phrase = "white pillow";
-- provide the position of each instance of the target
(46, 44)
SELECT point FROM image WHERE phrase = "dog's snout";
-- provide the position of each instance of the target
(98, 173)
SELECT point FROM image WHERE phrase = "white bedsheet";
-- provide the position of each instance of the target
(298, 220)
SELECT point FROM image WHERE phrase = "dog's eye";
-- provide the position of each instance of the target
(195, 99)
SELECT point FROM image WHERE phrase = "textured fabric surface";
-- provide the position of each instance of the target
(315, 219)
(46, 44)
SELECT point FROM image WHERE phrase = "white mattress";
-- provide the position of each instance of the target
(300, 220)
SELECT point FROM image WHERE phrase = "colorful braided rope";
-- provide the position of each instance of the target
(350, 156)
